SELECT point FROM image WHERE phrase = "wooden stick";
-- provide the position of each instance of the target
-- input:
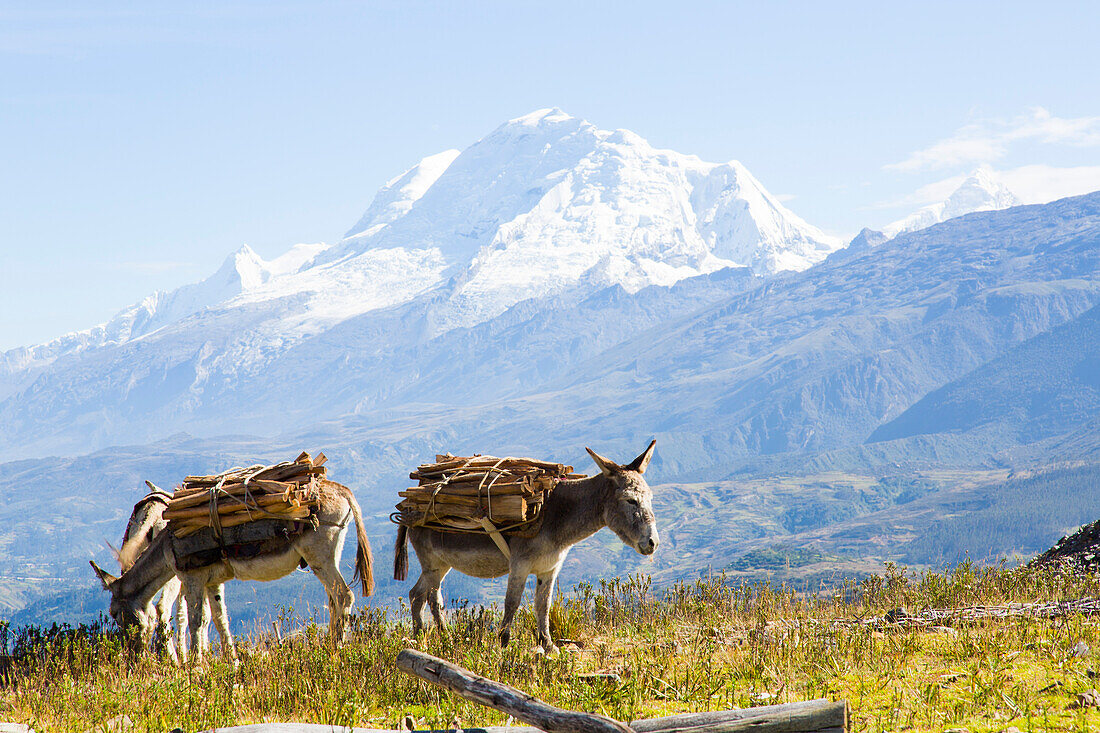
(182, 528)
(504, 508)
(519, 705)
(490, 461)
(500, 488)
(236, 487)
(270, 503)
(469, 492)
(473, 475)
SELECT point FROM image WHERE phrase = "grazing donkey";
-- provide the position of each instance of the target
(320, 548)
(146, 522)
(618, 498)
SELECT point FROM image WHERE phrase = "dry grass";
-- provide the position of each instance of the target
(692, 647)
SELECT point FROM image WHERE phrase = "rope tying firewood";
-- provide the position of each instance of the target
(284, 491)
(480, 494)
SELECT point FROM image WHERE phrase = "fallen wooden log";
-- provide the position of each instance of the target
(733, 721)
(519, 705)
(810, 716)
(900, 618)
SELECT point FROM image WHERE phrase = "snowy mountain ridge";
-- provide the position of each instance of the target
(545, 205)
(980, 191)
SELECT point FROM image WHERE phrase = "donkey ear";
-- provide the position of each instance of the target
(114, 551)
(639, 464)
(154, 488)
(104, 577)
(607, 466)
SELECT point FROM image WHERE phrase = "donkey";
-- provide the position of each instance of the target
(618, 498)
(146, 522)
(319, 547)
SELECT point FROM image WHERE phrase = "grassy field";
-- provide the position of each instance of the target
(691, 647)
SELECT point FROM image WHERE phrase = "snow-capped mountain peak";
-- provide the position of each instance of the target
(547, 205)
(546, 116)
(548, 200)
(399, 194)
(982, 190)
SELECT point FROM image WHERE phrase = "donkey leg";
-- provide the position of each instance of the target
(165, 636)
(340, 597)
(418, 594)
(181, 619)
(512, 598)
(427, 590)
(199, 621)
(435, 603)
(215, 595)
(544, 591)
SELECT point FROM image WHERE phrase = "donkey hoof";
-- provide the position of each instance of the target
(505, 635)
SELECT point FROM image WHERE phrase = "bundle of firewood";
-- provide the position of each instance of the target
(467, 493)
(283, 491)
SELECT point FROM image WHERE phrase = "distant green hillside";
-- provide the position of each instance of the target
(1047, 386)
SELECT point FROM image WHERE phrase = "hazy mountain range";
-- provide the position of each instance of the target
(555, 286)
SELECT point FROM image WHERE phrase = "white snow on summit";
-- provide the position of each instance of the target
(242, 272)
(546, 205)
(981, 191)
(547, 202)
(399, 194)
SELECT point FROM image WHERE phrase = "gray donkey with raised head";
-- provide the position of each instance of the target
(618, 498)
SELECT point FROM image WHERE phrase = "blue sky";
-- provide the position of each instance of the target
(142, 142)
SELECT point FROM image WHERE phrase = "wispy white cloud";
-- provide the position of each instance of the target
(986, 141)
(929, 193)
(784, 197)
(1038, 184)
(1032, 184)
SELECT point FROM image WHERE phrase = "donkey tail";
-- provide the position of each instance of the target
(364, 560)
(401, 554)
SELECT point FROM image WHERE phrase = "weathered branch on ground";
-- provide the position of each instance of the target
(946, 616)
(504, 698)
(811, 716)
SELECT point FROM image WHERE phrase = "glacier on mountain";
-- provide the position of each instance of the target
(547, 205)
(980, 191)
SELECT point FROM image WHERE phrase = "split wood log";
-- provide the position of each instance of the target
(230, 507)
(467, 493)
(487, 462)
(190, 526)
(475, 474)
(498, 510)
(519, 705)
(470, 490)
(189, 496)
